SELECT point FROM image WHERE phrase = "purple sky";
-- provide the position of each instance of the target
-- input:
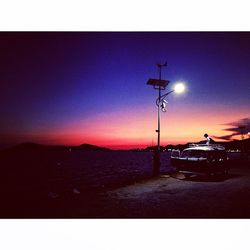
(72, 88)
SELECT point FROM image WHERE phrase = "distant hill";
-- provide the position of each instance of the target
(26, 146)
(238, 144)
(30, 146)
(90, 147)
(231, 145)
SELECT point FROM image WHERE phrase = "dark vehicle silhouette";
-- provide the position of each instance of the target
(201, 158)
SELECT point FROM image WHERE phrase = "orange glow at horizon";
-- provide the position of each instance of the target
(136, 127)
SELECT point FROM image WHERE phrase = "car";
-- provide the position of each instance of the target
(201, 158)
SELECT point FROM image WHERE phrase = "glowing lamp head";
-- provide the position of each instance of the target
(179, 88)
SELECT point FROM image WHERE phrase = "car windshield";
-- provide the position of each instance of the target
(175, 153)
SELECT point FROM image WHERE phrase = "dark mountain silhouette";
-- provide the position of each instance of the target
(231, 145)
(238, 144)
(30, 146)
(26, 146)
(90, 147)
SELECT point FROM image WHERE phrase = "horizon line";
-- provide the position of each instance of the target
(112, 147)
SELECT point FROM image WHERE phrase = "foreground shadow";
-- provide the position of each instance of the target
(210, 178)
(203, 177)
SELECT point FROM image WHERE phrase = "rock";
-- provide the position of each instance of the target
(53, 195)
(76, 191)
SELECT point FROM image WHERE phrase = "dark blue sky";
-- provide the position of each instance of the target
(62, 82)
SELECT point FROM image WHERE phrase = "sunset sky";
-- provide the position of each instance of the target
(73, 88)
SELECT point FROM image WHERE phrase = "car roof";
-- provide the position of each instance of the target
(200, 148)
(205, 147)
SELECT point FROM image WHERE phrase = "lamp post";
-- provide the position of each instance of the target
(161, 103)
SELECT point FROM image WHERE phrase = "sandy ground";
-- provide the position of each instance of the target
(193, 197)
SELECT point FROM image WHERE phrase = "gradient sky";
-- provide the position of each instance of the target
(73, 88)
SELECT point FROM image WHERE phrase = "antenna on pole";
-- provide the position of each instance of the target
(160, 66)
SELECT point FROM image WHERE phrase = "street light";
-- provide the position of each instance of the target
(179, 87)
(161, 103)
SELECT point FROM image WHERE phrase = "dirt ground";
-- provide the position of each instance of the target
(171, 196)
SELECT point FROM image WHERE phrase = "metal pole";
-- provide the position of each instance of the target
(157, 162)
(159, 121)
(156, 155)
(159, 113)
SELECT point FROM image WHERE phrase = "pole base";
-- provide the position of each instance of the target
(156, 163)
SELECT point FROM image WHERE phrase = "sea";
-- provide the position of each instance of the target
(60, 171)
